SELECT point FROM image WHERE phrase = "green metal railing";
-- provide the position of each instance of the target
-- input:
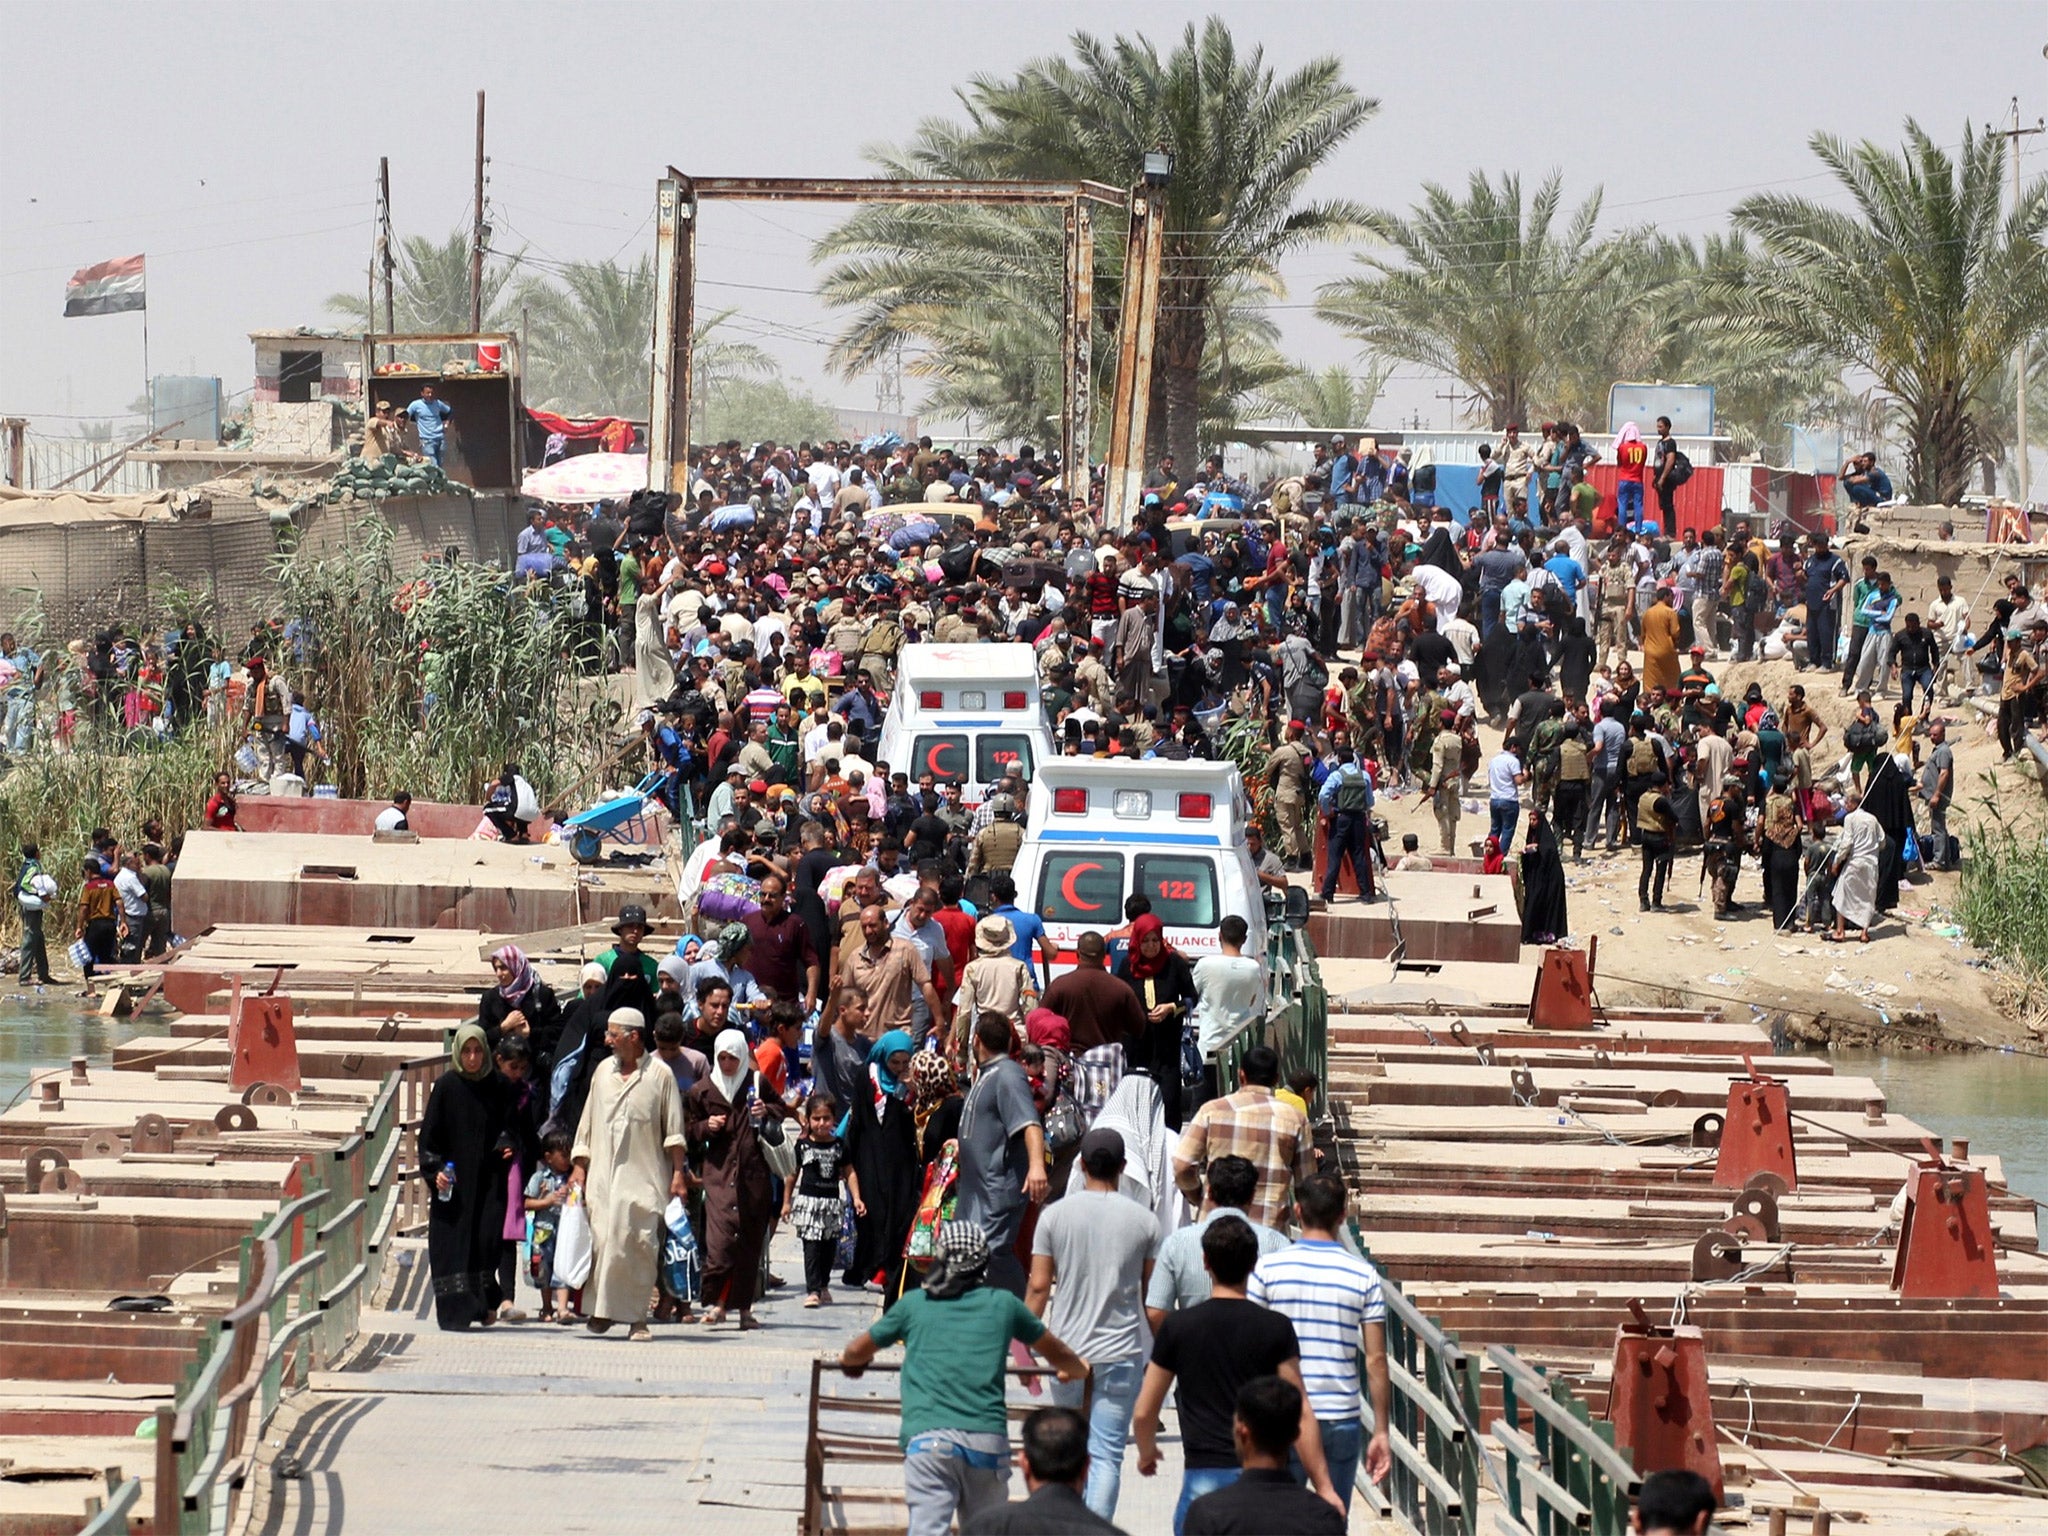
(109, 1516)
(1563, 1473)
(1565, 1464)
(1296, 1023)
(304, 1273)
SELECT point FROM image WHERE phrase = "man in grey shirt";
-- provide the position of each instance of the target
(1178, 1280)
(1610, 740)
(1097, 1245)
(1002, 1151)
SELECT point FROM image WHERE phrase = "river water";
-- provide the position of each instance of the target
(1998, 1100)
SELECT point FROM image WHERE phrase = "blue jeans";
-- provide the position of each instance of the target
(1489, 612)
(1109, 1426)
(1195, 1482)
(1924, 676)
(432, 447)
(1343, 1445)
(1502, 816)
(1628, 501)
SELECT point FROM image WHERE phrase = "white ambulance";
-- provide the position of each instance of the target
(1100, 830)
(966, 713)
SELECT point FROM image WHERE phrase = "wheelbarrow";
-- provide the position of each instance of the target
(623, 816)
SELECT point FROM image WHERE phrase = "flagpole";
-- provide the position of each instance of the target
(148, 384)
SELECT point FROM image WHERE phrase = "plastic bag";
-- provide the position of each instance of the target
(681, 1264)
(573, 1242)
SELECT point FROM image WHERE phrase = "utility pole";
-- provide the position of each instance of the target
(2014, 134)
(476, 249)
(384, 253)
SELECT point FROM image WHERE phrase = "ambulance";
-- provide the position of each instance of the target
(1098, 831)
(966, 714)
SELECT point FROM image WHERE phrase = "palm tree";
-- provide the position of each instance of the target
(1650, 325)
(1922, 286)
(430, 289)
(1481, 288)
(1335, 397)
(1244, 143)
(590, 336)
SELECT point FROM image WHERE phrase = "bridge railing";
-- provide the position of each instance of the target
(305, 1271)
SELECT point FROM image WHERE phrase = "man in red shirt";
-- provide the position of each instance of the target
(776, 1054)
(958, 926)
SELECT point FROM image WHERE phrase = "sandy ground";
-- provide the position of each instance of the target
(1916, 976)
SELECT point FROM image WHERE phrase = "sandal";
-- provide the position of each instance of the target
(713, 1318)
(598, 1324)
(748, 1322)
(639, 1334)
(811, 1301)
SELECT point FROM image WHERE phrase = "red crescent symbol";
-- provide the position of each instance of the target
(931, 760)
(1067, 888)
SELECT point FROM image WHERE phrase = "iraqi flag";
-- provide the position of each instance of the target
(111, 288)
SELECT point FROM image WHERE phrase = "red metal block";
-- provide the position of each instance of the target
(1563, 998)
(1946, 1248)
(262, 1045)
(1756, 1137)
(1658, 1402)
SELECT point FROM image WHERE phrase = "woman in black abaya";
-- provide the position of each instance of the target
(465, 1146)
(1887, 798)
(1543, 907)
(1493, 671)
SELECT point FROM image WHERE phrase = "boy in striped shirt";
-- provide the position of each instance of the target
(1332, 1297)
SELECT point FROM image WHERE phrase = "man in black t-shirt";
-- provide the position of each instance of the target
(1267, 1499)
(1211, 1351)
(1432, 651)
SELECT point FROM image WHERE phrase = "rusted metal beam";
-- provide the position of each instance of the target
(1130, 404)
(675, 301)
(877, 189)
(1077, 354)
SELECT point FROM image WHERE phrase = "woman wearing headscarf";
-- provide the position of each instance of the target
(725, 957)
(1779, 850)
(725, 1114)
(1227, 635)
(465, 1140)
(935, 1102)
(520, 1004)
(1159, 974)
(1493, 671)
(880, 1133)
(1888, 797)
(579, 1047)
(1493, 861)
(1137, 1112)
(1543, 901)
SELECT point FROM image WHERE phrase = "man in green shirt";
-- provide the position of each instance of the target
(956, 1333)
(631, 564)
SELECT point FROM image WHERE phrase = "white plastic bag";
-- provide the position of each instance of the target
(572, 1242)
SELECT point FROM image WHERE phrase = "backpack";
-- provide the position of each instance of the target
(1681, 468)
(1354, 794)
(1863, 736)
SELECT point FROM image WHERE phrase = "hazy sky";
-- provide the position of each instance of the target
(237, 145)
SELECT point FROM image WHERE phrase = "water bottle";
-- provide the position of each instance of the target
(447, 1169)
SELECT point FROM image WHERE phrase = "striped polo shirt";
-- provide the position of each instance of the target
(1327, 1292)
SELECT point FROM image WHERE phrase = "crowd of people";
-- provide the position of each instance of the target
(861, 1037)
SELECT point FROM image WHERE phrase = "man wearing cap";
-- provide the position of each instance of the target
(1097, 1247)
(631, 976)
(1696, 679)
(1287, 771)
(629, 1160)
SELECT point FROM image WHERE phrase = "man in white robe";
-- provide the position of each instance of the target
(629, 1159)
(1856, 866)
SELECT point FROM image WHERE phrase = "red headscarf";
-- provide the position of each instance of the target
(1496, 862)
(1142, 967)
(1044, 1027)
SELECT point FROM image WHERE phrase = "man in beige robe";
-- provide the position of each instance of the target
(629, 1158)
